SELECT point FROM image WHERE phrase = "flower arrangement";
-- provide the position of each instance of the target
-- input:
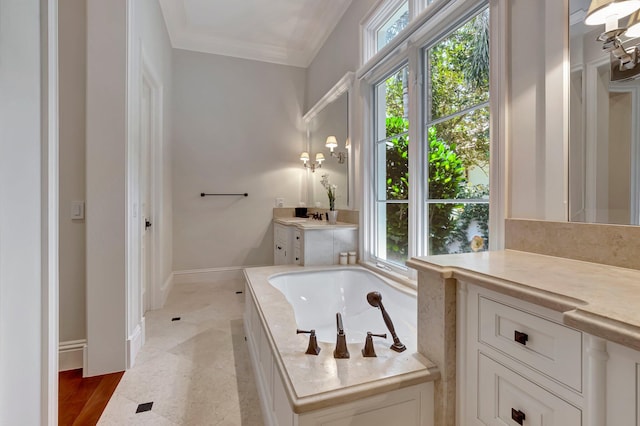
(331, 191)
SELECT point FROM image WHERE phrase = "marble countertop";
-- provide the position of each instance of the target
(598, 299)
(304, 223)
(314, 382)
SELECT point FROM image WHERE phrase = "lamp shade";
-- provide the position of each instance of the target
(633, 29)
(304, 156)
(600, 11)
(332, 142)
(319, 157)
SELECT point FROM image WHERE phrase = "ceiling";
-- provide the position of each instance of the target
(288, 32)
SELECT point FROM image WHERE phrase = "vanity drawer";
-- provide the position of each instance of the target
(505, 398)
(546, 346)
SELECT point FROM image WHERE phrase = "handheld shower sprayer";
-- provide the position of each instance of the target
(375, 299)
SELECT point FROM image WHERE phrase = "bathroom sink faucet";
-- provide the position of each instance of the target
(341, 350)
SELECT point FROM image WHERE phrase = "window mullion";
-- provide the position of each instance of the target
(416, 156)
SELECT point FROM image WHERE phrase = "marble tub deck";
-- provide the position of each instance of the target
(314, 382)
(197, 370)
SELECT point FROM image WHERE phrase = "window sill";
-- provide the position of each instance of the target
(389, 273)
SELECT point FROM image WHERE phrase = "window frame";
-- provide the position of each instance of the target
(427, 34)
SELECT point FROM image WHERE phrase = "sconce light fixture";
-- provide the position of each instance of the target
(609, 12)
(332, 143)
(316, 164)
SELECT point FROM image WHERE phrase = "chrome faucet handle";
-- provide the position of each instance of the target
(313, 348)
(368, 351)
(341, 350)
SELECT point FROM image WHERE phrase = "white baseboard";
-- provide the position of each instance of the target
(207, 275)
(134, 343)
(72, 355)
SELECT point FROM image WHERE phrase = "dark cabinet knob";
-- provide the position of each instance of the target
(517, 416)
(521, 338)
(279, 248)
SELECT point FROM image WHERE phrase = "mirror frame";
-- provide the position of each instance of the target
(344, 85)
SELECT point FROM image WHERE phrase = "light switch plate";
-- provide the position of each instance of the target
(77, 210)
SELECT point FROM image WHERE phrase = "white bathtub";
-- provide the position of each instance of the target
(316, 296)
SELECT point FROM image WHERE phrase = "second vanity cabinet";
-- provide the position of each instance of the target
(519, 365)
(312, 243)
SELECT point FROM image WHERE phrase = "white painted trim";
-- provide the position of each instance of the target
(71, 355)
(135, 343)
(499, 125)
(49, 207)
(189, 276)
(148, 73)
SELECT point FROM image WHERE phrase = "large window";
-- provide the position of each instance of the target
(448, 210)
(457, 139)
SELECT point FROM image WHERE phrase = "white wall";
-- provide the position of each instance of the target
(237, 128)
(338, 55)
(538, 112)
(24, 228)
(106, 185)
(72, 38)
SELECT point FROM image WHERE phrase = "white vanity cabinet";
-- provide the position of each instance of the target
(518, 364)
(312, 243)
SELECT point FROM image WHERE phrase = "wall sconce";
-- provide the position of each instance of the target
(316, 164)
(332, 143)
(609, 13)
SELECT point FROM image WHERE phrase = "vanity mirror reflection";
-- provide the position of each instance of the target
(604, 132)
(327, 120)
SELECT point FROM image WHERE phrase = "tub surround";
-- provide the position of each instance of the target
(315, 382)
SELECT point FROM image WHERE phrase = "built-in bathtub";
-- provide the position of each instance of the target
(316, 296)
(300, 389)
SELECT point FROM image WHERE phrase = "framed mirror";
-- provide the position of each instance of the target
(604, 130)
(329, 118)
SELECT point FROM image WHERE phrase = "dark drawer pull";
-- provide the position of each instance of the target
(521, 338)
(279, 248)
(517, 416)
(297, 238)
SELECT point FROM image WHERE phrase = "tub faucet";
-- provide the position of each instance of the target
(312, 348)
(341, 350)
(375, 299)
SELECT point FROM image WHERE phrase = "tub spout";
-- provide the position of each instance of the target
(375, 299)
(341, 350)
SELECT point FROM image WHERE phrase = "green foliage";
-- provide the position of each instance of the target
(446, 180)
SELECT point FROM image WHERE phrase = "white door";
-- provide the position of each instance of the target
(146, 134)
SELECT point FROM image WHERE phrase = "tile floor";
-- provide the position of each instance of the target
(197, 370)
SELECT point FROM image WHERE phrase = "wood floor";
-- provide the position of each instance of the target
(81, 401)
